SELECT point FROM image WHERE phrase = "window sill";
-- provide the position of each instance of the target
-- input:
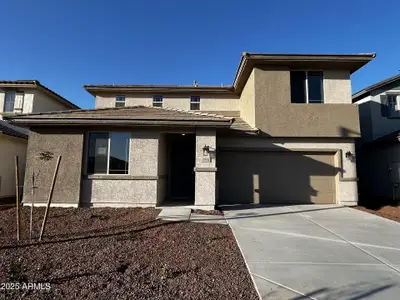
(119, 177)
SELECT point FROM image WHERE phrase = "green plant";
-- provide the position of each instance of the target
(165, 272)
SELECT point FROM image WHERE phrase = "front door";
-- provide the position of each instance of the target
(182, 162)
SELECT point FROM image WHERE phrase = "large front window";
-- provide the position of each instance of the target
(108, 153)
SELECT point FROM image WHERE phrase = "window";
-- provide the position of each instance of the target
(108, 153)
(9, 102)
(306, 87)
(120, 101)
(195, 103)
(392, 103)
(158, 101)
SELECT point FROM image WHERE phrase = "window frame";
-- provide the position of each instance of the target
(5, 101)
(158, 99)
(87, 139)
(396, 102)
(306, 89)
(119, 101)
(193, 102)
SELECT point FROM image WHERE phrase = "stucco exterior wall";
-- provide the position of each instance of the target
(68, 184)
(247, 101)
(205, 169)
(337, 86)
(207, 102)
(43, 102)
(9, 148)
(162, 169)
(139, 187)
(346, 182)
(277, 116)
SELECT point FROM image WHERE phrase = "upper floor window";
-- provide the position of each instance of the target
(108, 153)
(306, 87)
(195, 103)
(13, 102)
(157, 101)
(120, 101)
(392, 102)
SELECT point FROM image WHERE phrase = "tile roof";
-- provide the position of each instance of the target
(11, 130)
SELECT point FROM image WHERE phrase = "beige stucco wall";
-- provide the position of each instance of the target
(247, 101)
(207, 102)
(346, 183)
(43, 102)
(139, 187)
(162, 169)
(68, 184)
(205, 189)
(277, 116)
(9, 148)
(337, 86)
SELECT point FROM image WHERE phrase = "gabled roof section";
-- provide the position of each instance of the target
(11, 130)
(125, 116)
(381, 84)
(351, 62)
(36, 84)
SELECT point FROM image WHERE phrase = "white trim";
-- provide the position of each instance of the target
(108, 152)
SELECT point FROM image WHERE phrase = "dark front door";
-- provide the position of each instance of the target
(182, 158)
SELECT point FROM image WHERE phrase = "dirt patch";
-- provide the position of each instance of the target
(122, 254)
(208, 212)
(389, 212)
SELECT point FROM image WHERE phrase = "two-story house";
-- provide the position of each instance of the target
(16, 97)
(378, 150)
(283, 132)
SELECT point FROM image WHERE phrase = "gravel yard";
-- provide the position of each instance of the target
(387, 211)
(121, 254)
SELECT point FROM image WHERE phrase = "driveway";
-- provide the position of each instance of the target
(318, 252)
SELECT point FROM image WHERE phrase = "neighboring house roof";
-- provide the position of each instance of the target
(11, 130)
(351, 62)
(381, 84)
(134, 116)
(36, 84)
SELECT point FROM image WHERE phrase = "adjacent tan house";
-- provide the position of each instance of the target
(16, 97)
(378, 150)
(283, 132)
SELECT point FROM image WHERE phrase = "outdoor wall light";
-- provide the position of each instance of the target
(206, 150)
(350, 156)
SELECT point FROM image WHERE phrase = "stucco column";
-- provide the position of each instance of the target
(205, 168)
(2, 98)
(348, 192)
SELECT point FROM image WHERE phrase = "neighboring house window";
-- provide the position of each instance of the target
(389, 105)
(9, 102)
(392, 102)
(195, 103)
(306, 87)
(108, 153)
(158, 101)
(120, 101)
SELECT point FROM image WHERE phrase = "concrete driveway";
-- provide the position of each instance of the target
(318, 252)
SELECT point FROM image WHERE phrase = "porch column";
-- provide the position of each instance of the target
(205, 168)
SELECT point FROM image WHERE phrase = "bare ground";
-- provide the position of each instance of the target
(121, 254)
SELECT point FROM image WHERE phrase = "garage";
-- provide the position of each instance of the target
(276, 177)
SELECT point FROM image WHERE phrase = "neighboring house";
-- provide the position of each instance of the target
(378, 151)
(283, 132)
(29, 96)
(16, 97)
(13, 142)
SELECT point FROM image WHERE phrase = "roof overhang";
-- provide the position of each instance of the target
(351, 62)
(158, 89)
(394, 80)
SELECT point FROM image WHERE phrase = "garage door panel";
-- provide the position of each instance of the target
(276, 177)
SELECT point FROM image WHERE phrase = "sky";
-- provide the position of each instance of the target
(65, 44)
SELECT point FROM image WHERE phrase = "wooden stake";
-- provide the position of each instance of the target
(17, 194)
(33, 200)
(49, 199)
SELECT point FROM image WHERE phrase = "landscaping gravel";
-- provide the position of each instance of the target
(388, 211)
(121, 254)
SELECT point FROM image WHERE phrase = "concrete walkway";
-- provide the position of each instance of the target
(319, 252)
(182, 214)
